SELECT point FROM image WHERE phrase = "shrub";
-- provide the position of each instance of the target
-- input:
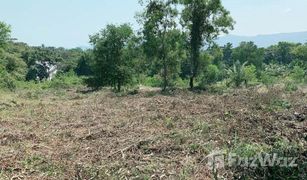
(181, 82)
(266, 79)
(211, 75)
(298, 74)
(236, 74)
(7, 82)
(64, 81)
(154, 81)
(250, 74)
(276, 69)
(290, 86)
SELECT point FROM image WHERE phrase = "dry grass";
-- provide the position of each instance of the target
(100, 135)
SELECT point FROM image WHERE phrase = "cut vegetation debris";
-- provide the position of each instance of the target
(104, 136)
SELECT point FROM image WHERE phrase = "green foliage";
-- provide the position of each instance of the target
(280, 149)
(112, 65)
(249, 52)
(204, 20)
(250, 75)
(84, 65)
(64, 81)
(210, 76)
(162, 41)
(14, 65)
(201, 127)
(249, 150)
(240, 73)
(69, 58)
(154, 81)
(6, 81)
(5, 34)
(276, 70)
(298, 74)
(236, 74)
(227, 54)
(41, 164)
(266, 78)
(169, 123)
(279, 104)
(165, 54)
(42, 54)
(61, 81)
(290, 86)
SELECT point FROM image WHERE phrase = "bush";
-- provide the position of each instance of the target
(211, 75)
(64, 81)
(266, 79)
(250, 74)
(290, 86)
(7, 82)
(181, 83)
(276, 70)
(154, 81)
(298, 74)
(236, 74)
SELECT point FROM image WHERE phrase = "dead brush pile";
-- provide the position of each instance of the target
(148, 135)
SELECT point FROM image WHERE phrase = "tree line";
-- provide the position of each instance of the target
(174, 46)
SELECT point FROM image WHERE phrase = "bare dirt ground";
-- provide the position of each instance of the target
(100, 135)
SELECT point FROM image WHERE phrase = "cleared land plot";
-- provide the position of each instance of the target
(100, 135)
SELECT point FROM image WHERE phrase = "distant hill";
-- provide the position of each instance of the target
(265, 40)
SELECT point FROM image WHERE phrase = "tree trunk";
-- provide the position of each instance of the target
(163, 57)
(118, 86)
(192, 82)
(165, 83)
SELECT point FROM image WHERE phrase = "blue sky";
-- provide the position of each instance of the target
(68, 23)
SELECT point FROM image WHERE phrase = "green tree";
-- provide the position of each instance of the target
(298, 74)
(250, 74)
(42, 54)
(227, 54)
(249, 52)
(15, 66)
(70, 58)
(84, 65)
(211, 75)
(111, 65)
(299, 54)
(283, 52)
(5, 34)
(236, 74)
(204, 20)
(217, 55)
(161, 38)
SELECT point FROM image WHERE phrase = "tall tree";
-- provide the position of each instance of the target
(204, 20)
(227, 53)
(283, 53)
(161, 37)
(5, 32)
(250, 53)
(112, 66)
(300, 55)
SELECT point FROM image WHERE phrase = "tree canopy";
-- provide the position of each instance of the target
(112, 66)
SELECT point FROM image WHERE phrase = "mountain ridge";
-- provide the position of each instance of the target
(265, 40)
